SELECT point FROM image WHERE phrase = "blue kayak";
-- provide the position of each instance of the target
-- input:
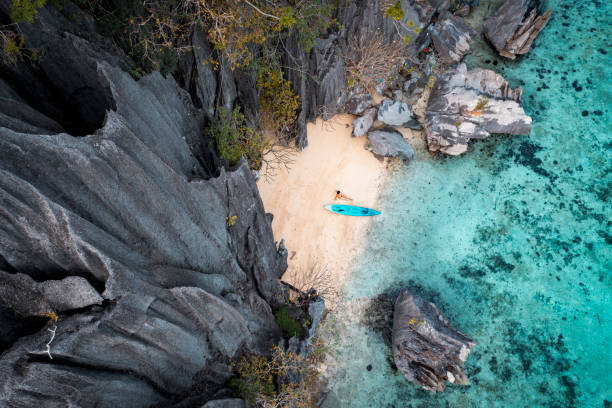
(351, 210)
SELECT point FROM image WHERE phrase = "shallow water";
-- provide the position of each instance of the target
(512, 241)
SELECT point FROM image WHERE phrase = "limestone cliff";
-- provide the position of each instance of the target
(122, 232)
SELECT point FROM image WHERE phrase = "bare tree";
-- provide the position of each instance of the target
(316, 281)
(371, 58)
(277, 156)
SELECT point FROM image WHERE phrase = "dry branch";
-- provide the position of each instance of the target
(373, 59)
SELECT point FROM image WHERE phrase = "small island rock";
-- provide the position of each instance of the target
(427, 349)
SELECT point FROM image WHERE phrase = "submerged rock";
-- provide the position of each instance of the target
(397, 113)
(427, 349)
(452, 36)
(388, 142)
(362, 124)
(453, 114)
(509, 32)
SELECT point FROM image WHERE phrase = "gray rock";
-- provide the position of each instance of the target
(227, 84)
(451, 120)
(77, 99)
(27, 297)
(451, 37)
(397, 113)
(389, 142)
(419, 77)
(20, 117)
(510, 32)
(206, 84)
(362, 124)
(226, 403)
(463, 11)
(358, 103)
(125, 215)
(427, 349)
(323, 92)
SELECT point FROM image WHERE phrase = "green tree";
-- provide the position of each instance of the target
(25, 10)
(234, 139)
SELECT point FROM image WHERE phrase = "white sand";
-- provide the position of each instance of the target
(314, 236)
(333, 160)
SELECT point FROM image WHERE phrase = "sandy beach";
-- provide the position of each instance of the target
(315, 237)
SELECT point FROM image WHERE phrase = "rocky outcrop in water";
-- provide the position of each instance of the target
(472, 104)
(452, 36)
(511, 30)
(161, 294)
(427, 349)
(388, 142)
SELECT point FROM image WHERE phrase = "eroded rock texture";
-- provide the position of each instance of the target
(160, 292)
(511, 30)
(452, 117)
(427, 349)
(452, 36)
(323, 92)
(388, 142)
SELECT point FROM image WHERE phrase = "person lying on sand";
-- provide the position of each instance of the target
(340, 196)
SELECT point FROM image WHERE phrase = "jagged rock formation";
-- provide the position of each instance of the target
(323, 91)
(452, 36)
(427, 349)
(388, 142)
(511, 30)
(413, 87)
(64, 86)
(451, 118)
(127, 213)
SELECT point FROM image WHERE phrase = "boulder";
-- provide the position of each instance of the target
(397, 113)
(510, 32)
(451, 37)
(388, 142)
(427, 349)
(362, 124)
(452, 117)
(358, 103)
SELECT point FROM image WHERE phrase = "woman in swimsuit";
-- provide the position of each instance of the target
(340, 196)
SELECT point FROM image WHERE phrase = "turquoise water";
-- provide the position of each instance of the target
(512, 240)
